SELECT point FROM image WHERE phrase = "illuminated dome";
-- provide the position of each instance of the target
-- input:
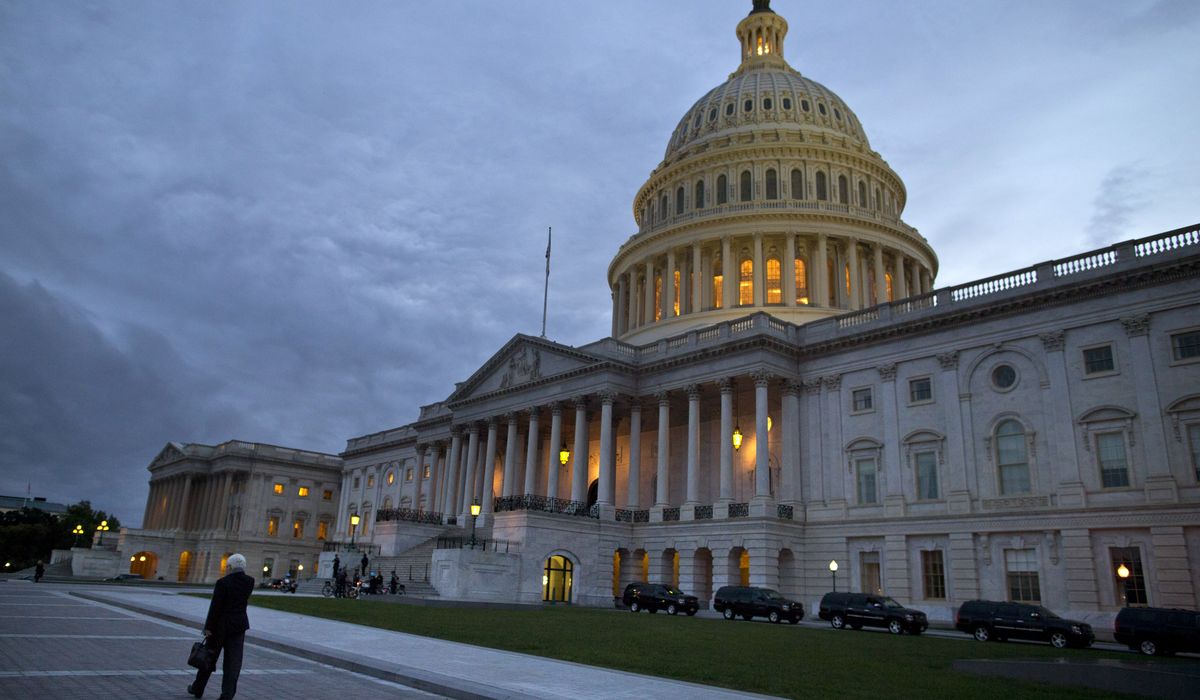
(768, 198)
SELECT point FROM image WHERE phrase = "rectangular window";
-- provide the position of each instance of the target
(933, 574)
(371, 481)
(870, 579)
(273, 526)
(1130, 589)
(298, 529)
(1194, 442)
(1114, 469)
(1098, 360)
(920, 390)
(408, 474)
(279, 489)
(861, 400)
(327, 495)
(302, 492)
(323, 530)
(1021, 567)
(927, 476)
(356, 482)
(427, 472)
(866, 476)
(1186, 346)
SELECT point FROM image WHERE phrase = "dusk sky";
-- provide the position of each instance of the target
(296, 222)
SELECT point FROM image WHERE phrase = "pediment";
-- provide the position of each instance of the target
(523, 360)
(173, 452)
(1106, 413)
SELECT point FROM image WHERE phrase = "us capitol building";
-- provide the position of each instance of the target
(784, 388)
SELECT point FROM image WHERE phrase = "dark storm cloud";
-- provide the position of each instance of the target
(297, 222)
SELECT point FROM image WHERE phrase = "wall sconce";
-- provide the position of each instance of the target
(564, 455)
(737, 438)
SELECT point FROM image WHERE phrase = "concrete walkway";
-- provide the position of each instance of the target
(445, 668)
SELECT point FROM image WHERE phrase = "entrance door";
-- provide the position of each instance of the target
(556, 580)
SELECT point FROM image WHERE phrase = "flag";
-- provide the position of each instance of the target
(549, 236)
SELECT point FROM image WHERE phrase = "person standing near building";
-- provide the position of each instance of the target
(225, 627)
(337, 565)
(365, 562)
(39, 571)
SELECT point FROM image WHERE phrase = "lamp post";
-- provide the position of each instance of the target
(475, 508)
(77, 532)
(833, 567)
(102, 528)
(1123, 573)
(354, 520)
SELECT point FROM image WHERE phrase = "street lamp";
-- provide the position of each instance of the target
(1123, 573)
(354, 520)
(102, 528)
(833, 571)
(475, 516)
(737, 438)
(77, 532)
(564, 455)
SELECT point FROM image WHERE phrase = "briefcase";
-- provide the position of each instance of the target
(203, 656)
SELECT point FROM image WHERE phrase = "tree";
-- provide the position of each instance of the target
(28, 535)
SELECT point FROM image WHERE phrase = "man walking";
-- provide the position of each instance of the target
(225, 627)
(365, 561)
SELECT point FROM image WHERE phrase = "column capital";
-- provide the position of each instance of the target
(693, 392)
(422, 448)
(887, 371)
(1136, 325)
(556, 408)
(812, 386)
(726, 385)
(832, 382)
(511, 417)
(635, 404)
(607, 397)
(1053, 340)
(491, 422)
(664, 397)
(948, 360)
(761, 378)
(533, 412)
(581, 403)
(792, 387)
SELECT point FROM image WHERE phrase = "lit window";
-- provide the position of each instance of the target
(774, 281)
(1186, 346)
(279, 489)
(302, 492)
(933, 574)
(1098, 360)
(746, 283)
(801, 281)
(327, 495)
(772, 184)
(273, 526)
(323, 530)
(1012, 458)
(676, 285)
(298, 529)
(846, 277)
(1130, 590)
(887, 281)
(1021, 568)
(718, 286)
(408, 474)
(927, 476)
(391, 477)
(371, 481)
(427, 472)
(865, 477)
(1114, 468)
(861, 400)
(920, 390)
(658, 292)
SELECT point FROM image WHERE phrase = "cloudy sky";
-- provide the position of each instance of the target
(295, 222)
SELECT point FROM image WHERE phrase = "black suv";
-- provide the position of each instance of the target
(1158, 631)
(862, 610)
(986, 619)
(749, 602)
(659, 596)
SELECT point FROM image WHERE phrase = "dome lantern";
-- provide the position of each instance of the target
(761, 36)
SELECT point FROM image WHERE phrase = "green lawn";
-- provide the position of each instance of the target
(774, 659)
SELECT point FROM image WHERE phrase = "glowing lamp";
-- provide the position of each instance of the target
(545, 579)
(266, 568)
(833, 565)
(475, 508)
(1123, 571)
(302, 567)
(142, 558)
(564, 455)
(737, 438)
(770, 423)
(354, 520)
(132, 558)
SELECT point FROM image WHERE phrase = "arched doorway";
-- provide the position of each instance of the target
(557, 578)
(144, 563)
(185, 566)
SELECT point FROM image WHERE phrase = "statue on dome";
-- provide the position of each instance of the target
(761, 6)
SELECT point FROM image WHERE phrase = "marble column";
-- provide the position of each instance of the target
(469, 493)
(893, 485)
(820, 295)
(762, 466)
(453, 469)
(635, 453)
(693, 447)
(435, 476)
(880, 279)
(668, 308)
(789, 271)
(725, 440)
(901, 277)
(604, 492)
(488, 490)
(556, 443)
(728, 268)
(855, 283)
(509, 475)
(789, 423)
(620, 306)
(760, 274)
(631, 301)
(532, 442)
(579, 457)
(184, 510)
(649, 287)
(664, 448)
(1161, 486)
(418, 480)
(697, 279)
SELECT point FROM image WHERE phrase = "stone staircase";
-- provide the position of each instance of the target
(413, 567)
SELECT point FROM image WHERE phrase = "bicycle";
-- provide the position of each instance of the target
(328, 589)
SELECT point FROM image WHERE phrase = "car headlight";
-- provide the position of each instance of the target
(909, 617)
(786, 607)
(1075, 629)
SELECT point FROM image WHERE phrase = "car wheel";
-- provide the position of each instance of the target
(982, 633)
(895, 627)
(1149, 647)
(1058, 640)
(773, 617)
(672, 610)
(728, 613)
(837, 622)
(634, 607)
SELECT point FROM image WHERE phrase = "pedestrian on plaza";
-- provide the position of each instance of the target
(39, 571)
(225, 627)
(365, 561)
(393, 583)
(340, 590)
(337, 564)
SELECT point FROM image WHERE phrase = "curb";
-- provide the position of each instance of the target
(397, 673)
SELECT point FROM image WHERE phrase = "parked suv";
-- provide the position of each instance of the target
(750, 602)
(659, 596)
(862, 610)
(986, 619)
(1158, 631)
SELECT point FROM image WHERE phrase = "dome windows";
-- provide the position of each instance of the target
(772, 184)
(862, 194)
(722, 189)
(746, 187)
(797, 183)
(748, 106)
(787, 103)
(821, 108)
(729, 110)
(712, 114)
(843, 190)
(767, 103)
(699, 204)
(697, 125)
(679, 201)
(822, 187)
(837, 114)
(805, 106)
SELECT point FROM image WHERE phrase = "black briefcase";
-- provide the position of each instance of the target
(203, 656)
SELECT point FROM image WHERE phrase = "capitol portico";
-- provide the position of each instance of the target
(786, 386)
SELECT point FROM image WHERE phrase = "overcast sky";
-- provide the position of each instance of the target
(295, 222)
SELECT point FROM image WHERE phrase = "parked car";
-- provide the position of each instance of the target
(750, 602)
(126, 577)
(860, 610)
(986, 619)
(1158, 631)
(659, 596)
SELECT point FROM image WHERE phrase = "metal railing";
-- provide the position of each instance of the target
(545, 504)
(739, 510)
(487, 545)
(786, 512)
(670, 514)
(703, 512)
(408, 515)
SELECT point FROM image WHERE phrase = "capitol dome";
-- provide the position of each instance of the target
(768, 198)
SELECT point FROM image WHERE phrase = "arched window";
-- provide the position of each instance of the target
(747, 190)
(772, 185)
(556, 579)
(746, 282)
(774, 280)
(862, 194)
(718, 284)
(797, 183)
(801, 281)
(822, 187)
(1012, 458)
(658, 291)
(843, 190)
(699, 203)
(887, 278)
(679, 200)
(722, 189)
(662, 206)
(877, 199)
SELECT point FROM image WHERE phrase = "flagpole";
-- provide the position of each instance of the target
(546, 288)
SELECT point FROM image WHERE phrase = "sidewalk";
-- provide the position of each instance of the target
(446, 668)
